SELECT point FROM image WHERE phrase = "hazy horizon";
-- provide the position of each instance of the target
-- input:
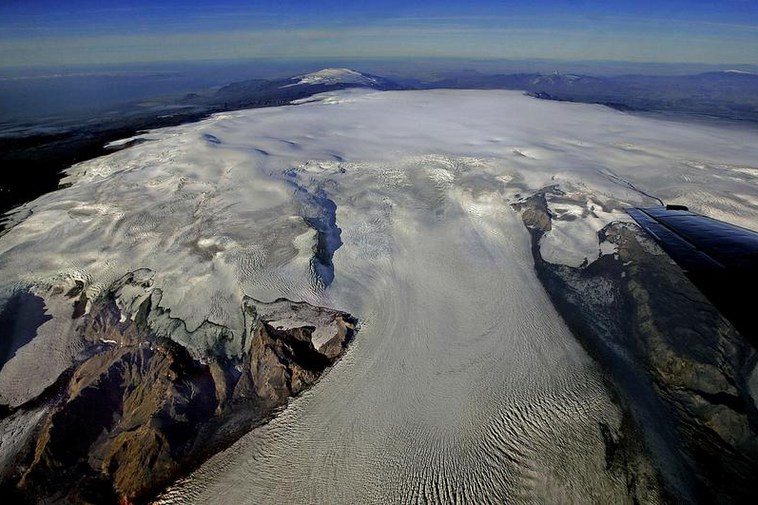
(85, 32)
(47, 94)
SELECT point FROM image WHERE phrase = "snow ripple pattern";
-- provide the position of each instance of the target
(463, 385)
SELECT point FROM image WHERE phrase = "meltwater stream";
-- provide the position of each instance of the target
(463, 384)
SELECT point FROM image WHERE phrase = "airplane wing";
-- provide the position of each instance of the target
(720, 258)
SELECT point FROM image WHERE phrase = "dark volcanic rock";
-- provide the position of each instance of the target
(681, 369)
(140, 409)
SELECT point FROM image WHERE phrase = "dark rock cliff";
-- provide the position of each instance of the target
(681, 369)
(139, 409)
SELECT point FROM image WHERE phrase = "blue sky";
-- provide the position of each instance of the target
(90, 32)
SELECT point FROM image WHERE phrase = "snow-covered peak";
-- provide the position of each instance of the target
(734, 71)
(558, 78)
(335, 76)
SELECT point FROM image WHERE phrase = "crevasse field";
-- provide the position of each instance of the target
(463, 381)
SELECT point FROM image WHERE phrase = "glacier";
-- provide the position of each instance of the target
(464, 382)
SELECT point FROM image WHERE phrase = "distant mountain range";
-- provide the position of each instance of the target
(729, 94)
(32, 158)
(262, 92)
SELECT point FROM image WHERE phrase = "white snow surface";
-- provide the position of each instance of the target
(463, 382)
(334, 76)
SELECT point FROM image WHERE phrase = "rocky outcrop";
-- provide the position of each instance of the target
(681, 369)
(140, 408)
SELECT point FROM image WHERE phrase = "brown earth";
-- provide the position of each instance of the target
(134, 415)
